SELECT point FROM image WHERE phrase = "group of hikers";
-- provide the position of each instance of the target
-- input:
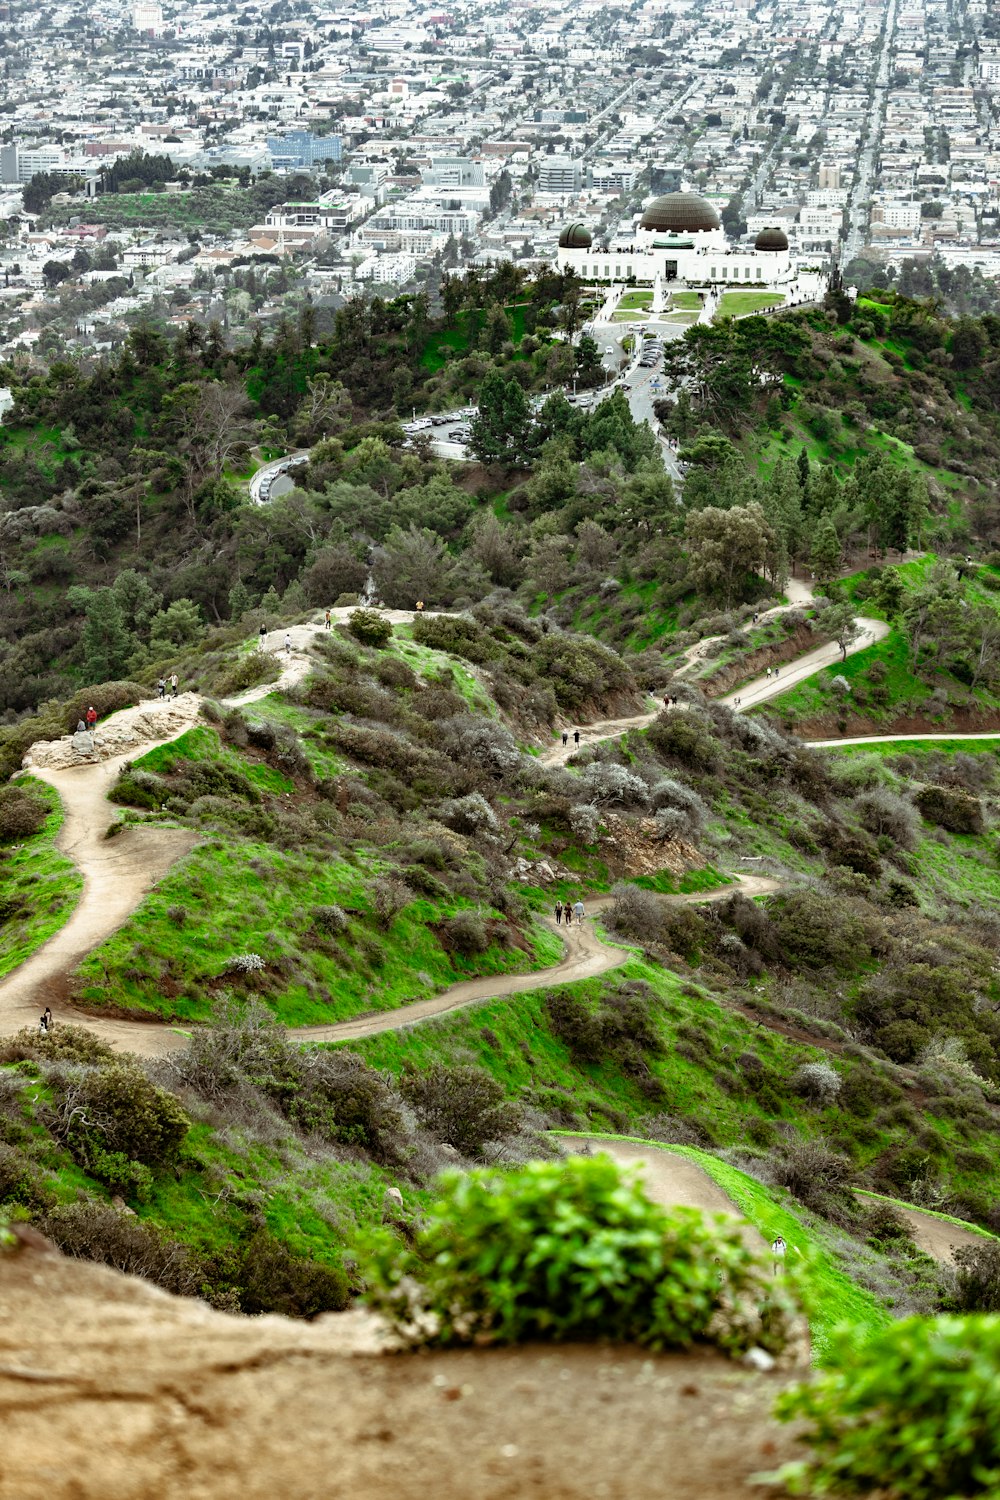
(45, 1021)
(88, 722)
(162, 683)
(567, 910)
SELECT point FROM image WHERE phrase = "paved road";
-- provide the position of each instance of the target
(261, 482)
(857, 211)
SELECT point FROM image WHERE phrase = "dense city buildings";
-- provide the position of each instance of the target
(150, 154)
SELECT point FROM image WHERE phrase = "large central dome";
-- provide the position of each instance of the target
(680, 213)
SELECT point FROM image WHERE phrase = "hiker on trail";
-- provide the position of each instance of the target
(779, 1249)
(578, 911)
(327, 621)
(288, 640)
(565, 736)
(173, 684)
(568, 914)
(262, 632)
(420, 604)
(767, 674)
(43, 1028)
(161, 687)
(775, 671)
(558, 913)
(47, 1018)
(81, 727)
(576, 736)
(91, 716)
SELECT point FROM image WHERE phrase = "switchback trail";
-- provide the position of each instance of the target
(118, 872)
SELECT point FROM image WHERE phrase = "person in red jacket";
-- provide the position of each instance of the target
(91, 716)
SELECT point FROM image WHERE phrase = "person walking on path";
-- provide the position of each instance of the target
(262, 633)
(767, 674)
(288, 641)
(567, 914)
(327, 621)
(779, 1250)
(578, 911)
(161, 687)
(173, 684)
(559, 912)
(91, 717)
(565, 735)
(576, 736)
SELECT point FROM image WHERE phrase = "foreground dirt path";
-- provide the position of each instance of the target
(111, 1390)
(670, 1180)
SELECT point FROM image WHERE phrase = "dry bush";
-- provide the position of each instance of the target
(97, 1232)
(461, 1104)
(388, 897)
(817, 1082)
(887, 815)
(636, 913)
(21, 814)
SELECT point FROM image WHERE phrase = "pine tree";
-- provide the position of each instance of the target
(826, 551)
(240, 600)
(107, 645)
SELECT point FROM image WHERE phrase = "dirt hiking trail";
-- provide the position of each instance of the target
(117, 873)
(670, 1180)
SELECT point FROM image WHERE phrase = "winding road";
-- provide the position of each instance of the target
(118, 872)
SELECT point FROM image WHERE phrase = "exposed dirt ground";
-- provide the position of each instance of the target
(111, 1390)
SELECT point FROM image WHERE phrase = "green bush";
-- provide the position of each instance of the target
(463, 1105)
(118, 1109)
(913, 1412)
(370, 628)
(573, 1250)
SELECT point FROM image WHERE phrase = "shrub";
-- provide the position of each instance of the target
(614, 786)
(64, 1043)
(636, 913)
(466, 933)
(883, 813)
(329, 919)
(816, 930)
(370, 628)
(463, 1105)
(389, 897)
(811, 1171)
(978, 1288)
(247, 672)
(272, 1279)
(20, 1181)
(951, 809)
(120, 1110)
(244, 963)
(572, 1250)
(21, 814)
(912, 1411)
(818, 1082)
(471, 814)
(687, 739)
(98, 1232)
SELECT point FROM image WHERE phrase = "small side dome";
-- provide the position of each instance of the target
(771, 238)
(680, 213)
(575, 237)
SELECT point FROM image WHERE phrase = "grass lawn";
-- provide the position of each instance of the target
(686, 299)
(40, 886)
(737, 304)
(635, 299)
